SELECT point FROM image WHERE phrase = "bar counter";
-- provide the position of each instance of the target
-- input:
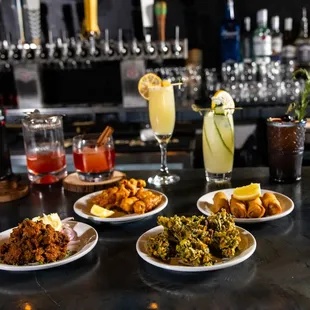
(112, 276)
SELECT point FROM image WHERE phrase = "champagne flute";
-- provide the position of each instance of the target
(162, 119)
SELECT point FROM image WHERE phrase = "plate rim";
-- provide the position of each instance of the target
(123, 219)
(179, 268)
(251, 220)
(64, 261)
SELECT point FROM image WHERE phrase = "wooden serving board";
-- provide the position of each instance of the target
(73, 183)
(12, 190)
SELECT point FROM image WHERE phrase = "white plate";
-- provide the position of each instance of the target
(88, 239)
(246, 238)
(286, 203)
(81, 208)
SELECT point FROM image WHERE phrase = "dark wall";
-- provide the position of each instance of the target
(199, 19)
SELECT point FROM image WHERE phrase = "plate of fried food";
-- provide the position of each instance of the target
(247, 204)
(196, 243)
(45, 242)
(128, 202)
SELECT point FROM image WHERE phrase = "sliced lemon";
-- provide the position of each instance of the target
(222, 103)
(101, 212)
(248, 192)
(148, 80)
(52, 219)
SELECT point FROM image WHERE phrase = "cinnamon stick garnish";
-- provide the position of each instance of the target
(107, 132)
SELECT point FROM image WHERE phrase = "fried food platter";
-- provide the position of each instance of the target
(86, 240)
(248, 248)
(205, 205)
(83, 206)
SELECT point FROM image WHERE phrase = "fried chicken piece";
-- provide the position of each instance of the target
(133, 185)
(121, 194)
(150, 199)
(127, 204)
(106, 198)
(139, 207)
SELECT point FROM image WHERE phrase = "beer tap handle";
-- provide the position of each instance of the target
(34, 19)
(177, 46)
(92, 46)
(161, 13)
(50, 45)
(107, 47)
(121, 48)
(20, 20)
(91, 18)
(147, 18)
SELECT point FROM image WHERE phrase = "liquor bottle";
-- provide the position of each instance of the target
(276, 38)
(247, 40)
(262, 38)
(302, 42)
(230, 35)
(289, 49)
(5, 161)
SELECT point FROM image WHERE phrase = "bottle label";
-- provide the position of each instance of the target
(230, 34)
(289, 52)
(303, 54)
(230, 45)
(262, 46)
(276, 45)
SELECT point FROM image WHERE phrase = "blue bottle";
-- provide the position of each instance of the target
(230, 35)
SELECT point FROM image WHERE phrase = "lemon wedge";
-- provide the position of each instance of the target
(222, 103)
(248, 192)
(52, 219)
(101, 212)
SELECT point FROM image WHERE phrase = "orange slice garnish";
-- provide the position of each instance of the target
(148, 80)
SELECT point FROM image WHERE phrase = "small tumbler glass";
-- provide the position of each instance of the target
(93, 163)
(44, 147)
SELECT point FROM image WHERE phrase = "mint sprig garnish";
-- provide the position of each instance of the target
(300, 106)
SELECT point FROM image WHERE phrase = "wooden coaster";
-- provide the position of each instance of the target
(12, 190)
(73, 183)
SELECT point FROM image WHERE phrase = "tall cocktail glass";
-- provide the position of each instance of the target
(218, 146)
(44, 147)
(162, 119)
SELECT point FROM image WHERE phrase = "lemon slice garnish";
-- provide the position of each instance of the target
(148, 80)
(52, 219)
(222, 103)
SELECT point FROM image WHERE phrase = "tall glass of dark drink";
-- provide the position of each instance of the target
(285, 149)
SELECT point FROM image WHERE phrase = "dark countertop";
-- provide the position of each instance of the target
(112, 276)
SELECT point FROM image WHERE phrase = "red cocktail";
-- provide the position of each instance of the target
(93, 163)
(44, 147)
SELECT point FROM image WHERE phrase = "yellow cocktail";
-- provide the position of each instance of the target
(218, 146)
(162, 112)
(218, 140)
(162, 118)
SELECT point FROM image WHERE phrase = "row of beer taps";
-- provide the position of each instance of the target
(91, 46)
